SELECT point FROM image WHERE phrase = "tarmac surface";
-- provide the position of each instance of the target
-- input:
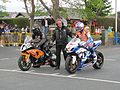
(46, 78)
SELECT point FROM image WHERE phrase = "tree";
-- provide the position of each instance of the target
(41, 13)
(106, 9)
(74, 3)
(91, 8)
(63, 12)
(2, 14)
(1, 6)
(30, 11)
(55, 8)
(75, 7)
(40, 10)
(99, 7)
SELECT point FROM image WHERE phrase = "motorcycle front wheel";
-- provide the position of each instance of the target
(23, 65)
(71, 64)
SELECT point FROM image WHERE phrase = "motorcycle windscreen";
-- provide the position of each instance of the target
(75, 40)
(27, 39)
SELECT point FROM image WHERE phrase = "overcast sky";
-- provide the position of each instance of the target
(17, 6)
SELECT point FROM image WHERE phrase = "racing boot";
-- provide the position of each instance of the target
(92, 53)
(91, 56)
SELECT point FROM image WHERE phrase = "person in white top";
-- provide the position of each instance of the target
(45, 26)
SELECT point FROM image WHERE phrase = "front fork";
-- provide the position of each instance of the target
(95, 58)
(26, 55)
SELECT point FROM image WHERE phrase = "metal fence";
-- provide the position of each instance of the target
(13, 39)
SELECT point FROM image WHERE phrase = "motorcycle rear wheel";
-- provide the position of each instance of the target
(100, 60)
(52, 63)
(23, 65)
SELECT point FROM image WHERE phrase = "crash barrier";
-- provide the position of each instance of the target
(13, 39)
(17, 38)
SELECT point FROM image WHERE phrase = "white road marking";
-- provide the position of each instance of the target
(4, 58)
(108, 59)
(8, 58)
(62, 76)
(55, 74)
(73, 75)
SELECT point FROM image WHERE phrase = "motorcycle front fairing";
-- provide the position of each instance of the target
(27, 44)
(26, 51)
(72, 45)
(76, 46)
(96, 44)
(76, 49)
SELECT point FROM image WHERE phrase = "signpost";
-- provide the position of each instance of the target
(116, 33)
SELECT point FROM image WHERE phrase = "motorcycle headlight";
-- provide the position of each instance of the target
(68, 50)
(22, 48)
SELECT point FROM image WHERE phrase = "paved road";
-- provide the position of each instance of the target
(46, 78)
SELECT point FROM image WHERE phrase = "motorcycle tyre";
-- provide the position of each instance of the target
(52, 63)
(67, 62)
(101, 57)
(21, 66)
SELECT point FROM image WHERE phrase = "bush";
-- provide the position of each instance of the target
(106, 22)
(96, 37)
(21, 22)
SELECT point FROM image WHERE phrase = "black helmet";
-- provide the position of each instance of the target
(36, 31)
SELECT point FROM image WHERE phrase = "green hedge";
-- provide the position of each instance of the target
(106, 22)
(21, 22)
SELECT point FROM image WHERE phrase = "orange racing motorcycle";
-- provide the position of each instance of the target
(31, 55)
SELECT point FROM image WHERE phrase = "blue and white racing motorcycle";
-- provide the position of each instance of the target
(80, 57)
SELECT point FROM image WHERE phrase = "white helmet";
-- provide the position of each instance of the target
(79, 26)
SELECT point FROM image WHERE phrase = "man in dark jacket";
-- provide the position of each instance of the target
(61, 36)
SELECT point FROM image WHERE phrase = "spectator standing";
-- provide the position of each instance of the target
(64, 22)
(95, 23)
(92, 28)
(23, 35)
(68, 21)
(45, 26)
(51, 20)
(7, 35)
(1, 35)
(27, 29)
(15, 36)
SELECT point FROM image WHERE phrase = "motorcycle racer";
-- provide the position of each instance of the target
(37, 38)
(83, 32)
